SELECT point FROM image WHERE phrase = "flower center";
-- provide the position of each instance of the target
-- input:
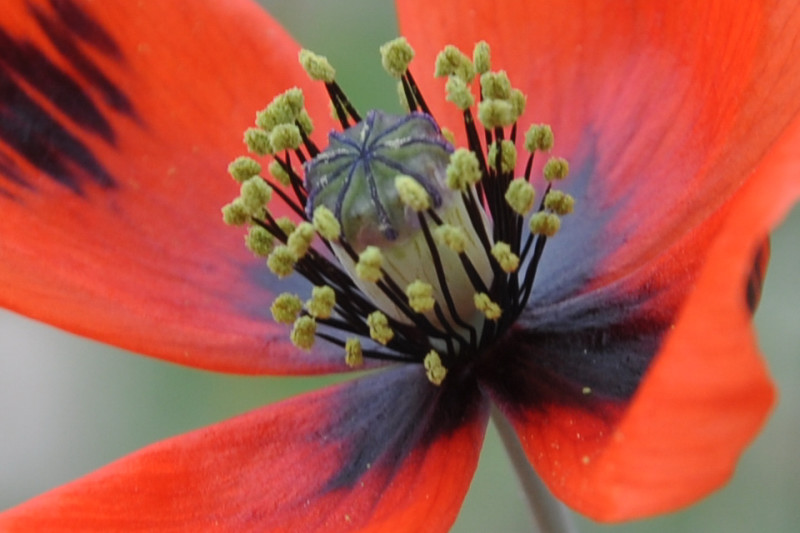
(417, 252)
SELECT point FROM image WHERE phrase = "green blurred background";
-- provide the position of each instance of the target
(68, 406)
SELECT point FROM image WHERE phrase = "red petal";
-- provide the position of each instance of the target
(706, 394)
(663, 109)
(118, 122)
(378, 454)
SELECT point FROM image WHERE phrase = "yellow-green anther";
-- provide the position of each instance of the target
(257, 141)
(259, 241)
(452, 62)
(265, 120)
(353, 354)
(508, 260)
(496, 85)
(295, 100)
(322, 302)
(255, 194)
(379, 329)
(485, 305)
(243, 168)
(369, 264)
(316, 66)
(303, 331)
(235, 213)
(453, 237)
(300, 239)
(286, 225)
(277, 172)
(556, 168)
(518, 101)
(411, 193)
(285, 137)
(539, 137)
(508, 156)
(396, 55)
(520, 196)
(326, 224)
(459, 93)
(559, 202)
(286, 307)
(281, 261)
(543, 223)
(279, 111)
(304, 119)
(420, 296)
(482, 57)
(496, 113)
(463, 171)
(434, 369)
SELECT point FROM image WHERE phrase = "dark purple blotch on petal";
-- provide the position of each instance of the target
(402, 412)
(28, 76)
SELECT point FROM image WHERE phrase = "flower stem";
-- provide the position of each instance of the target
(550, 514)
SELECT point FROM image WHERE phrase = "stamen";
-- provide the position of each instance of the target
(354, 355)
(485, 305)
(369, 264)
(243, 168)
(316, 66)
(559, 202)
(556, 168)
(434, 369)
(322, 302)
(481, 57)
(259, 241)
(300, 239)
(257, 141)
(303, 332)
(420, 296)
(542, 223)
(396, 55)
(281, 261)
(507, 260)
(379, 329)
(539, 137)
(520, 196)
(452, 62)
(286, 307)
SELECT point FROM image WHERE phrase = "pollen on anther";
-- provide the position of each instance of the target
(303, 331)
(235, 213)
(259, 241)
(255, 194)
(559, 202)
(322, 302)
(369, 264)
(556, 168)
(316, 66)
(434, 369)
(411, 193)
(539, 137)
(326, 224)
(286, 307)
(396, 56)
(520, 196)
(495, 113)
(354, 355)
(281, 261)
(463, 171)
(286, 225)
(543, 223)
(379, 329)
(257, 141)
(458, 92)
(481, 57)
(496, 85)
(453, 237)
(285, 137)
(243, 168)
(420, 296)
(508, 156)
(507, 259)
(452, 62)
(300, 239)
(485, 305)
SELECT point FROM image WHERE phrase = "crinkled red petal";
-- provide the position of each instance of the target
(118, 122)
(384, 453)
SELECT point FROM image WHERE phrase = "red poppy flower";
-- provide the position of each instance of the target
(632, 376)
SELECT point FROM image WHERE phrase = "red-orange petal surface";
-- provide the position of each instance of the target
(680, 123)
(118, 122)
(379, 454)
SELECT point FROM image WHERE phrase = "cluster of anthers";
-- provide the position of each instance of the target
(417, 251)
